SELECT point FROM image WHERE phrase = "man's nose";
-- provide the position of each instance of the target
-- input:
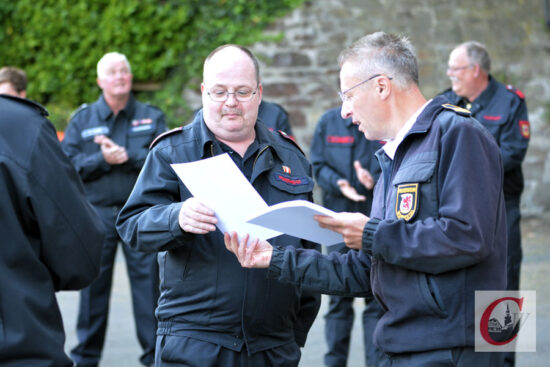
(346, 111)
(231, 99)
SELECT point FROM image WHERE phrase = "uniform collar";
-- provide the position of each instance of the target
(105, 111)
(483, 100)
(391, 146)
(487, 95)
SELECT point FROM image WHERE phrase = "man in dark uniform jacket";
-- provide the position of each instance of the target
(51, 236)
(346, 169)
(503, 111)
(428, 244)
(275, 117)
(107, 142)
(211, 311)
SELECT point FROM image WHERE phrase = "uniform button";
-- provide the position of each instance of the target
(234, 344)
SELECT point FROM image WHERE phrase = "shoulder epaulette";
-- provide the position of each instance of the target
(35, 105)
(459, 110)
(516, 91)
(165, 134)
(82, 107)
(290, 139)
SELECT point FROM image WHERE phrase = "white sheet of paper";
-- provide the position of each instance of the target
(295, 218)
(219, 184)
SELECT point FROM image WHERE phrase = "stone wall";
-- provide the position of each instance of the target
(300, 72)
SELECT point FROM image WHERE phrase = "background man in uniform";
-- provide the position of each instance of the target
(13, 81)
(107, 142)
(211, 311)
(428, 244)
(503, 111)
(51, 236)
(346, 169)
(275, 117)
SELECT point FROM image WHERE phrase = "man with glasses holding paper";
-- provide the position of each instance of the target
(428, 244)
(211, 311)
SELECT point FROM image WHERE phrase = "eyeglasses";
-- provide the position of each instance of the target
(241, 95)
(458, 68)
(343, 95)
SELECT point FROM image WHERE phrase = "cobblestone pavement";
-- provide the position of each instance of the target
(122, 349)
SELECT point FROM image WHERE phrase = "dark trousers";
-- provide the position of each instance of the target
(455, 357)
(182, 351)
(515, 255)
(339, 323)
(94, 299)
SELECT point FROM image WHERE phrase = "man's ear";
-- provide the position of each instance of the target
(477, 70)
(383, 87)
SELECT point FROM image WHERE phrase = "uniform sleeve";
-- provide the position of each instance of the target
(136, 157)
(310, 303)
(148, 221)
(336, 273)
(470, 206)
(88, 165)
(325, 176)
(514, 138)
(71, 233)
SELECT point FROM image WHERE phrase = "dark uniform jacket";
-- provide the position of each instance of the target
(205, 293)
(274, 117)
(503, 111)
(133, 128)
(51, 236)
(337, 143)
(437, 234)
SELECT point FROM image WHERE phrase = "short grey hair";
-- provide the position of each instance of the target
(384, 53)
(477, 54)
(107, 59)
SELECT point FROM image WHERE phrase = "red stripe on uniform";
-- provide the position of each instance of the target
(340, 139)
(289, 181)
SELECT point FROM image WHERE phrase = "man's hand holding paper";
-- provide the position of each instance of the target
(349, 225)
(196, 217)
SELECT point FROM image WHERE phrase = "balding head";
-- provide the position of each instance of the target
(231, 93)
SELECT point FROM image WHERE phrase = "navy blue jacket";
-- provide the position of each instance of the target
(51, 236)
(336, 144)
(437, 234)
(134, 128)
(503, 111)
(274, 117)
(205, 293)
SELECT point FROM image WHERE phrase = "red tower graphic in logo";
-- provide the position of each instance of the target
(497, 333)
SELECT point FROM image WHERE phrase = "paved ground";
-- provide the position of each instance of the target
(122, 349)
